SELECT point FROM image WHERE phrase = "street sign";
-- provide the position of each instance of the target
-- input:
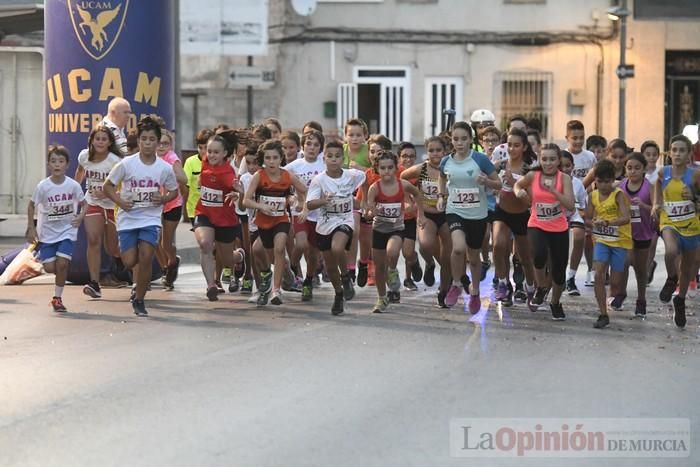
(244, 76)
(625, 71)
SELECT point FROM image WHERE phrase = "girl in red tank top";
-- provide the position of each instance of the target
(268, 194)
(551, 194)
(385, 204)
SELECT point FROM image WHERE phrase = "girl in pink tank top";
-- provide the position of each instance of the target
(550, 194)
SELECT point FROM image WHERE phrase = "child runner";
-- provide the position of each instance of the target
(143, 176)
(268, 194)
(414, 273)
(511, 220)
(576, 224)
(617, 154)
(551, 197)
(57, 199)
(332, 193)
(584, 160)
(95, 163)
(355, 148)
(250, 230)
(192, 169)
(638, 189)
(674, 206)
(274, 126)
(433, 234)
(216, 220)
(292, 146)
(597, 145)
(608, 210)
(490, 138)
(651, 153)
(172, 212)
(385, 205)
(305, 231)
(464, 178)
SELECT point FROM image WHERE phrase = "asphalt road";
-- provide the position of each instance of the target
(225, 383)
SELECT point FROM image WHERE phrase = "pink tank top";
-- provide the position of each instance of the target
(546, 212)
(170, 157)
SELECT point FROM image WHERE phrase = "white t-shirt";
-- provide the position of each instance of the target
(580, 200)
(56, 206)
(306, 171)
(119, 134)
(95, 176)
(139, 183)
(652, 176)
(500, 153)
(339, 210)
(245, 180)
(583, 162)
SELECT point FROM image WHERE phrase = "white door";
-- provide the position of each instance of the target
(394, 97)
(442, 93)
(347, 104)
(394, 112)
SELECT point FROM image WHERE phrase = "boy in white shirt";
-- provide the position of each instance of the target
(331, 192)
(147, 183)
(57, 199)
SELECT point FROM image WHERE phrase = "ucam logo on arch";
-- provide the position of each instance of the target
(97, 24)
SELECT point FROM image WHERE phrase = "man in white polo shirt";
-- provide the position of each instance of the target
(118, 113)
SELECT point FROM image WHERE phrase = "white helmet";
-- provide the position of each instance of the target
(482, 115)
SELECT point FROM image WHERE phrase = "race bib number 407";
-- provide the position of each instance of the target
(277, 204)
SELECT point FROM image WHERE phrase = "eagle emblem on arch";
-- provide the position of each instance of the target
(97, 24)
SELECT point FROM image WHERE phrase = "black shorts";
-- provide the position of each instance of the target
(253, 236)
(490, 216)
(516, 222)
(641, 244)
(243, 218)
(576, 225)
(438, 218)
(324, 242)
(409, 229)
(173, 215)
(474, 229)
(380, 239)
(267, 236)
(221, 234)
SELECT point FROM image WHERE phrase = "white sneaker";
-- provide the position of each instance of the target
(590, 281)
(254, 297)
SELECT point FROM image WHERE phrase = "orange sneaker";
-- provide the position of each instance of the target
(57, 305)
(370, 273)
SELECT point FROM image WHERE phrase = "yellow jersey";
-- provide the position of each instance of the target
(612, 235)
(678, 213)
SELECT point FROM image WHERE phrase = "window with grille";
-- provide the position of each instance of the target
(442, 93)
(526, 93)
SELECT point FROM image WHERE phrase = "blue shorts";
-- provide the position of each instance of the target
(685, 243)
(49, 251)
(129, 239)
(615, 256)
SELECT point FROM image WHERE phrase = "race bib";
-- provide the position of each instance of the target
(580, 172)
(548, 211)
(143, 196)
(465, 198)
(211, 197)
(678, 211)
(339, 206)
(60, 210)
(94, 184)
(277, 204)
(505, 186)
(610, 233)
(389, 212)
(635, 214)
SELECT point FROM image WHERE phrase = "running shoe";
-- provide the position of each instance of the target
(474, 304)
(132, 296)
(362, 274)
(679, 311)
(307, 290)
(172, 271)
(571, 288)
(652, 270)
(603, 320)
(254, 298)
(485, 266)
(408, 284)
(393, 281)
(617, 301)
(234, 285)
(453, 295)
(139, 308)
(557, 312)
(57, 305)
(381, 305)
(239, 268)
(416, 271)
(288, 280)
(429, 275)
(212, 293)
(394, 297)
(640, 309)
(266, 282)
(520, 295)
(538, 299)
(692, 288)
(518, 272)
(92, 289)
(501, 291)
(109, 281)
(667, 289)
(508, 299)
(590, 279)
(276, 297)
(316, 282)
(348, 289)
(219, 287)
(263, 298)
(247, 286)
(226, 275)
(338, 304)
